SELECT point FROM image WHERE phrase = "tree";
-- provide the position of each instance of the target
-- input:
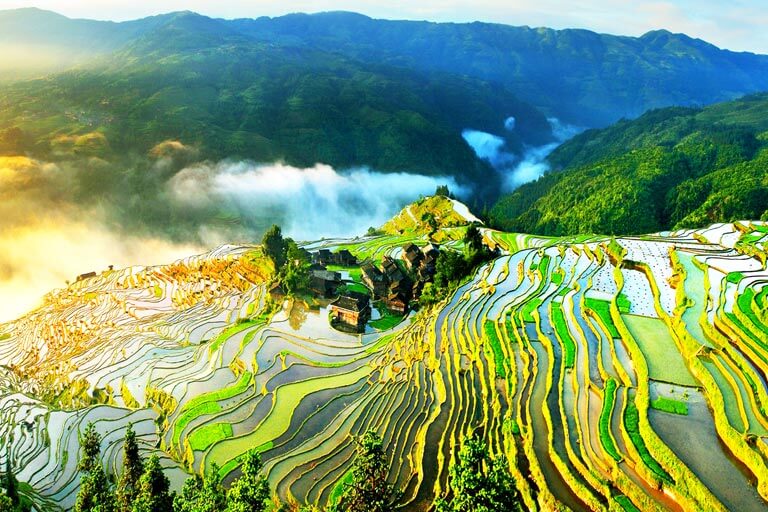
(274, 246)
(6, 505)
(369, 490)
(133, 467)
(250, 492)
(95, 493)
(153, 491)
(202, 494)
(473, 245)
(479, 483)
(10, 483)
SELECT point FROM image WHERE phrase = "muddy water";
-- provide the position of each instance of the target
(694, 439)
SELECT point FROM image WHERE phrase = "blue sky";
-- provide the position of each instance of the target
(735, 24)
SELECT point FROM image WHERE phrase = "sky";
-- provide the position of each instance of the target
(735, 24)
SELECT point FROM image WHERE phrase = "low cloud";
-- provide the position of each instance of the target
(59, 220)
(517, 170)
(307, 203)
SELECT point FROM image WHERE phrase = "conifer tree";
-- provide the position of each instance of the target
(154, 489)
(133, 467)
(369, 490)
(479, 483)
(202, 494)
(249, 492)
(10, 484)
(95, 494)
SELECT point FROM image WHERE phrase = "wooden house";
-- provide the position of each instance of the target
(324, 282)
(351, 310)
(374, 279)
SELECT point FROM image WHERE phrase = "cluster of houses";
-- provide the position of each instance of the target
(395, 284)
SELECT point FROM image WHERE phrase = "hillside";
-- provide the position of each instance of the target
(613, 373)
(433, 214)
(668, 169)
(582, 77)
(335, 88)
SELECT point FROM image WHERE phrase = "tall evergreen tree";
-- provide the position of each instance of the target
(154, 489)
(249, 492)
(202, 494)
(479, 483)
(95, 494)
(369, 490)
(133, 467)
(275, 246)
(10, 483)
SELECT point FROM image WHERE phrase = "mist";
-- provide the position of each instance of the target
(61, 219)
(307, 203)
(518, 170)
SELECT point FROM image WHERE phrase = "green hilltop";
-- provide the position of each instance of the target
(670, 168)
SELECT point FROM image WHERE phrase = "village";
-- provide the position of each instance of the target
(356, 288)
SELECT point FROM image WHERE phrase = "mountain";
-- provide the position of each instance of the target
(671, 168)
(596, 381)
(579, 76)
(336, 88)
(201, 81)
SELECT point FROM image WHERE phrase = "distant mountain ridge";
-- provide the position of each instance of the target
(577, 75)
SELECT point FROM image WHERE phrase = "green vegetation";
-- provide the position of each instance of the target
(493, 340)
(606, 439)
(143, 486)
(479, 482)
(671, 168)
(388, 320)
(665, 363)
(665, 404)
(564, 334)
(602, 309)
(631, 424)
(368, 490)
(453, 267)
(210, 434)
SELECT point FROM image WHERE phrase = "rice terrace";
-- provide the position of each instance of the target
(614, 373)
(409, 257)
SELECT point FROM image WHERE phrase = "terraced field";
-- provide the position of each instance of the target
(615, 374)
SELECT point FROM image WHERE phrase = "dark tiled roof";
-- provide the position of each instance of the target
(352, 301)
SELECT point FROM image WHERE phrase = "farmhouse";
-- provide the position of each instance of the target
(87, 275)
(324, 282)
(343, 258)
(374, 279)
(351, 310)
(412, 257)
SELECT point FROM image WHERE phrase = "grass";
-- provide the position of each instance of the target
(229, 332)
(528, 308)
(670, 405)
(561, 328)
(208, 403)
(387, 321)
(353, 287)
(232, 464)
(495, 343)
(626, 503)
(734, 277)
(208, 435)
(631, 425)
(602, 308)
(340, 487)
(665, 363)
(355, 273)
(623, 303)
(605, 420)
